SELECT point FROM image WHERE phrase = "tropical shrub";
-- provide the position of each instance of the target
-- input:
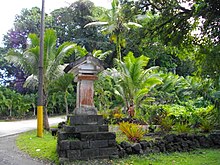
(166, 124)
(133, 82)
(13, 104)
(134, 132)
(181, 127)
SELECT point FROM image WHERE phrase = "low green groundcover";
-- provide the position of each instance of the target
(45, 148)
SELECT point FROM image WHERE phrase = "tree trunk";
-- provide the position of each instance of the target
(45, 120)
(66, 104)
(45, 117)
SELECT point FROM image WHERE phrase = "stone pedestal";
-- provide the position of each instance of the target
(86, 137)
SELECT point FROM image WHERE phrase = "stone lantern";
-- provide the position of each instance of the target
(85, 71)
(85, 136)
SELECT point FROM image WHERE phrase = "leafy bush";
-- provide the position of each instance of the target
(181, 128)
(206, 125)
(134, 132)
(13, 104)
(166, 124)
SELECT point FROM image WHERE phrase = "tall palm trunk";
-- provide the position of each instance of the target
(45, 120)
(45, 114)
(66, 103)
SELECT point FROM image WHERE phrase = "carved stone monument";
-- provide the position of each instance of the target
(85, 136)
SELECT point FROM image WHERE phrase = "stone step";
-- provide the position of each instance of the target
(86, 128)
(80, 145)
(84, 136)
(65, 136)
(85, 119)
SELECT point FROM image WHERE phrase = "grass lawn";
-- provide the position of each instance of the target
(42, 148)
(45, 148)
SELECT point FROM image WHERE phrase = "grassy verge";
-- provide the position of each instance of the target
(199, 157)
(42, 148)
(45, 148)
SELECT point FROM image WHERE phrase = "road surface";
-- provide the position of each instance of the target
(16, 127)
(9, 153)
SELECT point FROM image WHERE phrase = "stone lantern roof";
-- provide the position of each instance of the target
(85, 65)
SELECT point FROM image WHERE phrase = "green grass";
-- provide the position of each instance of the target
(199, 157)
(45, 149)
(42, 148)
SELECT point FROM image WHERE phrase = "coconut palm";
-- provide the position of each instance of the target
(133, 81)
(53, 56)
(113, 23)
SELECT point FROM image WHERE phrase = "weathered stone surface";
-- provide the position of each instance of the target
(69, 129)
(96, 136)
(121, 152)
(85, 110)
(73, 154)
(169, 138)
(125, 144)
(62, 154)
(103, 128)
(144, 144)
(75, 145)
(63, 161)
(215, 138)
(90, 153)
(129, 150)
(86, 128)
(112, 143)
(136, 147)
(64, 145)
(99, 144)
(85, 144)
(66, 135)
(85, 119)
(108, 151)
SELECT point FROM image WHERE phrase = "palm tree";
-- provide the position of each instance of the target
(114, 24)
(133, 81)
(53, 56)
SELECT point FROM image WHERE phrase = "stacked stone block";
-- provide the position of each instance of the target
(86, 137)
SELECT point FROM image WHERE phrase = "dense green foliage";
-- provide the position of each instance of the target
(14, 104)
(167, 68)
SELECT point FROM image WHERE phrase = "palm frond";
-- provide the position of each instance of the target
(18, 60)
(98, 23)
(31, 82)
(98, 54)
(34, 40)
(56, 62)
(49, 46)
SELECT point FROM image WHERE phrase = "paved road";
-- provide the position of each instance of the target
(12, 128)
(9, 153)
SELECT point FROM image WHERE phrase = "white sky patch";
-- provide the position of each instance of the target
(9, 8)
